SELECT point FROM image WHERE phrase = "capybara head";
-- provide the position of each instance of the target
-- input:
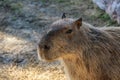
(60, 40)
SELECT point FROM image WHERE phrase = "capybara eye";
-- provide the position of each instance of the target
(69, 31)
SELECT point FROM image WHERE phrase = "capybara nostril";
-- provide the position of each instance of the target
(46, 47)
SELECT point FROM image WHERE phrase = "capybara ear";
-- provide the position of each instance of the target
(78, 23)
(63, 16)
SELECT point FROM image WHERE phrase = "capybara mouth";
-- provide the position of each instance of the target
(40, 53)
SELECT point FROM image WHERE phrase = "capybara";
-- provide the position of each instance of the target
(87, 52)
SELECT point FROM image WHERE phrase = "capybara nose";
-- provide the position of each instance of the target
(46, 47)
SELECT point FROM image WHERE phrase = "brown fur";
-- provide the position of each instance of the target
(88, 53)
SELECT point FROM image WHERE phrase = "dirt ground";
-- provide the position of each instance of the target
(22, 22)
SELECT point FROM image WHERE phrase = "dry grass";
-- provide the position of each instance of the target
(30, 73)
(14, 48)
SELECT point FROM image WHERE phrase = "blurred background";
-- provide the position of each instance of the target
(22, 22)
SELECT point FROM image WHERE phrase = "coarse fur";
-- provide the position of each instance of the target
(88, 53)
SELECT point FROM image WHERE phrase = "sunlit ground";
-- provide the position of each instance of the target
(30, 73)
(30, 70)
